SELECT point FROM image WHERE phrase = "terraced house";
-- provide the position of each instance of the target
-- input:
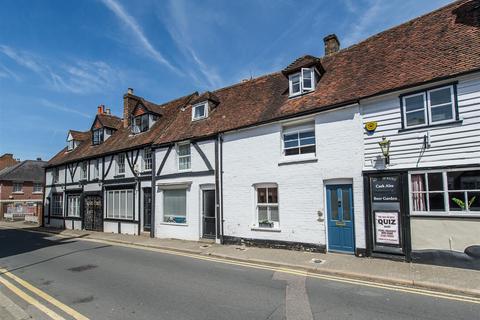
(372, 150)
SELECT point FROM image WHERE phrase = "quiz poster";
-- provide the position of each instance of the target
(386, 227)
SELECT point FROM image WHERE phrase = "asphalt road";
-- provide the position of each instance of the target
(101, 281)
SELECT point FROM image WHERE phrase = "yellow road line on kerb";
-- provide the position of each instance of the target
(390, 287)
(71, 312)
(30, 300)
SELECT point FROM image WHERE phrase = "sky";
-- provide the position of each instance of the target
(60, 59)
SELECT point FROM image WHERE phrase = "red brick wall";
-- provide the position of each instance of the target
(7, 194)
(7, 161)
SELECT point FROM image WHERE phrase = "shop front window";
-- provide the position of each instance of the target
(446, 192)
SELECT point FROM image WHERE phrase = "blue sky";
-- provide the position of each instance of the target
(60, 59)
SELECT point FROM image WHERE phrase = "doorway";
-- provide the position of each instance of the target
(208, 214)
(93, 213)
(147, 209)
(341, 235)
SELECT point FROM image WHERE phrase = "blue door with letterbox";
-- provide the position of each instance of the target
(341, 235)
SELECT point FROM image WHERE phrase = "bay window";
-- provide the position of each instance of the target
(120, 204)
(445, 192)
(429, 107)
(175, 206)
(267, 206)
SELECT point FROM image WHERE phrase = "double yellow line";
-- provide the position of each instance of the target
(15, 288)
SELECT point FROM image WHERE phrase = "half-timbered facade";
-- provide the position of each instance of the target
(373, 149)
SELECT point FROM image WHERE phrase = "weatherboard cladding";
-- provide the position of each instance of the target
(438, 45)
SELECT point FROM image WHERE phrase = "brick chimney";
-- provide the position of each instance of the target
(332, 44)
(129, 102)
(101, 109)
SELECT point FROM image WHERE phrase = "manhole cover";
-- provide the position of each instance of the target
(205, 246)
(317, 261)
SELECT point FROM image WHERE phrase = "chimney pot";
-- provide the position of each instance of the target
(101, 109)
(108, 111)
(332, 44)
(130, 90)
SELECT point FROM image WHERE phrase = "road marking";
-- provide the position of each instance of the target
(75, 314)
(297, 305)
(30, 300)
(391, 287)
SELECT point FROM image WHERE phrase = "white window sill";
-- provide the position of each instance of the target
(297, 159)
(266, 229)
(37, 192)
(174, 224)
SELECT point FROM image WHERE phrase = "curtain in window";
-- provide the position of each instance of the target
(418, 192)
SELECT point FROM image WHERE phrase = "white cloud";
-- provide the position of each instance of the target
(135, 28)
(177, 24)
(366, 19)
(78, 76)
(51, 105)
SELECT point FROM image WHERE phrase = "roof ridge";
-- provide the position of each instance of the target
(376, 35)
(248, 81)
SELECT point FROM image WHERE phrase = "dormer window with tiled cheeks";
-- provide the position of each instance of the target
(302, 82)
(200, 111)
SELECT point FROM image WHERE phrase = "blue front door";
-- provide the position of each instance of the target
(340, 218)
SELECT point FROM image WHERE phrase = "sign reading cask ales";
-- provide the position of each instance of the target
(385, 189)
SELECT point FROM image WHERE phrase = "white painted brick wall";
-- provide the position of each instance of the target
(252, 156)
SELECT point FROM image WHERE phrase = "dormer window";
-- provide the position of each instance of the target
(140, 123)
(97, 136)
(199, 111)
(302, 82)
(70, 145)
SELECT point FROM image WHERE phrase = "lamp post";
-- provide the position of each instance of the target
(385, 147)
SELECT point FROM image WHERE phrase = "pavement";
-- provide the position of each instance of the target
(79, 277)
(439, 278)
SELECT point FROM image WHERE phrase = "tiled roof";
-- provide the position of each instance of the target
(80, 135)
(441, 44)
(123, 138)
(109, 121)
(206, 96)
(27, 170)
(303, 62)
(438, 45)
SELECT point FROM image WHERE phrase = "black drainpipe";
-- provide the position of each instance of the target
(154, 192)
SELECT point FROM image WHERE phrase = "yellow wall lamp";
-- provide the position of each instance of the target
(385, 147)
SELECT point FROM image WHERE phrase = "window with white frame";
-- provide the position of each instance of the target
(302, 82)
(429, 107)
(120, 204)
(175, 206)
(121, 163)
(184, 156)
(97, 136)
(73, 205)
(267, 206)
(445, 192)
(57, 204)
(96, 169)
(200, 111)
(299, 140)
(37, 187)
(56, 175)
(17, 187)
(147, 159)
(70, 145)
(140, 123)
(84, 170)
